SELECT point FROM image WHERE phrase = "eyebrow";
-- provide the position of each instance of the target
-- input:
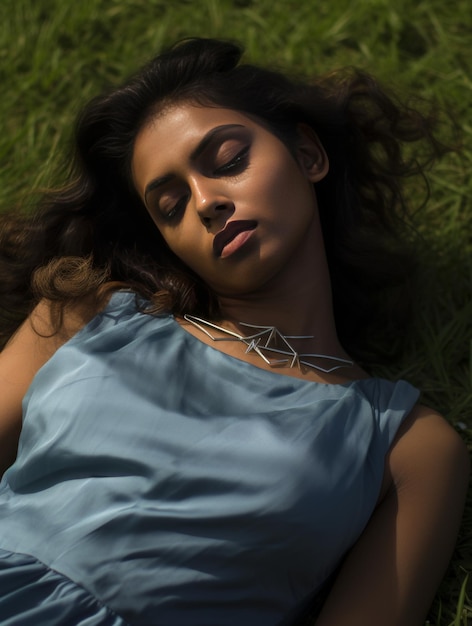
(200, 148)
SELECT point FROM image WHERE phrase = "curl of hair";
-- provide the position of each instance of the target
(95, 231)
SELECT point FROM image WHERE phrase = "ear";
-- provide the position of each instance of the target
(311, 155)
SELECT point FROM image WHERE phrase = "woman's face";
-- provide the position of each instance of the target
(229, 198)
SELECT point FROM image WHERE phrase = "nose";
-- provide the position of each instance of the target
(211, 203)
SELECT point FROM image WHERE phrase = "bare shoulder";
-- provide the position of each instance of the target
(48, 327)
(391, 574)
(427, 445)
(33, 344)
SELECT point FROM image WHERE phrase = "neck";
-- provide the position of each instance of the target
(297, 306)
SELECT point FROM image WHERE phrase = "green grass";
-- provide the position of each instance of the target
(55, 55)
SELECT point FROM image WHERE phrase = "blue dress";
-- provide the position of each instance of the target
(162, 482)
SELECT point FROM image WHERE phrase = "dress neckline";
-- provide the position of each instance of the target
(252, 367)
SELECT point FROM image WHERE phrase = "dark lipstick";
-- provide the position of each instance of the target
(229, 232)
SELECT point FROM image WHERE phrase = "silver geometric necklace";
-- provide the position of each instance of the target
(269, 341)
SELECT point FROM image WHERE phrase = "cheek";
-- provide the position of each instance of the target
(288, 199)
(183, 242)
(281, 178)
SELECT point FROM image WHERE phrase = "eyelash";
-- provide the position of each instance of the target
(235, 163)
(174, 211)
(233, 167)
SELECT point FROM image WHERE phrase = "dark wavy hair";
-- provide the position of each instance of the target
(94, 230)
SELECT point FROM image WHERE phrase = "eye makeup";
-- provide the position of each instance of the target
(223, 152)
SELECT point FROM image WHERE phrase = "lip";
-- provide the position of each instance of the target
(230, 232)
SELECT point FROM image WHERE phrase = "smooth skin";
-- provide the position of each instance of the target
(277, 276)
(392, 573)
(221, 166)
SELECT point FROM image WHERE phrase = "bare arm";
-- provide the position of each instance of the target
(27, 351)
(392, 573)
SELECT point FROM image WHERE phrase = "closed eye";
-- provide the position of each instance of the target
(174, 211)
(235, 165)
